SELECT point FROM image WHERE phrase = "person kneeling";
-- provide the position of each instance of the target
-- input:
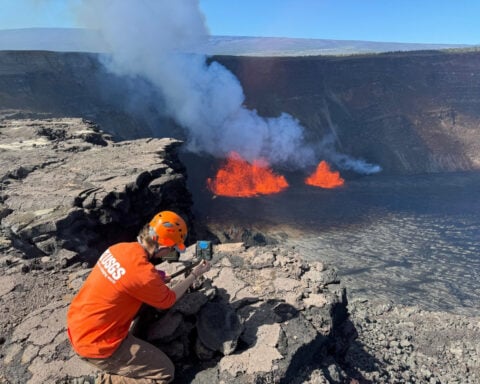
(124, 277)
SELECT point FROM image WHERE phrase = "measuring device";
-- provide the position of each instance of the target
(203, 251)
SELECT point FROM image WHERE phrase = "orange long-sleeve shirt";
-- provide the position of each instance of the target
(100, 315)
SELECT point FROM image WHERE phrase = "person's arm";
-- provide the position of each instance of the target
(181, 287)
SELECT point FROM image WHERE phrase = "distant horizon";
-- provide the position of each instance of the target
(406, 21)
(78, 39)
(252, 36)
(259, 37)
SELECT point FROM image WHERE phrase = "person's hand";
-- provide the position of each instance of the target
(166, 278)
(201, 268)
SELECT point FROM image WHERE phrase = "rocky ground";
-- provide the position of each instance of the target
(260, 314)
(62, 188)
(394, 344)
(399, 344)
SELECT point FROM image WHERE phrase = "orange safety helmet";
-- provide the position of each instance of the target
(169, 230)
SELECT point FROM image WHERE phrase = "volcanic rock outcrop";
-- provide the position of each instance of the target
(262, 314)
(68, 186)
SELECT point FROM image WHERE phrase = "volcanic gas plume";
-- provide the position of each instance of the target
(160, 41)
(325, 178)
(239, 178)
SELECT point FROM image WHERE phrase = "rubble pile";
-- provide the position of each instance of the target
(261, 313)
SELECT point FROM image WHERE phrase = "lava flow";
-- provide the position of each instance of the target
(325, 178)
(239, 178)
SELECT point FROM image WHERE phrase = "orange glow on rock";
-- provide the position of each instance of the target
(325, 178)
(239, 178)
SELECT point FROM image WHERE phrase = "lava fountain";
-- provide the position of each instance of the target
(324, 177)
(239, 178)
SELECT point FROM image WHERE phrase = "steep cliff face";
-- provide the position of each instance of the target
(42, 84)
(408, 112)
(65, 185)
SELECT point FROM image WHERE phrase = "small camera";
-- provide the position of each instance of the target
(203, 251)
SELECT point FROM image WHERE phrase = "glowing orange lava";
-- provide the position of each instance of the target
(239, 178)
(325, 178)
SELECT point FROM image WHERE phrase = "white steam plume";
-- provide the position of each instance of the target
(342, 161)
(152, 39)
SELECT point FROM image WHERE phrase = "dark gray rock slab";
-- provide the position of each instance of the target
(219, 327)
(66, 184)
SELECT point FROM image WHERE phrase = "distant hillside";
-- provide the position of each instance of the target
(50, 39)
(83, 40)
(277, 46)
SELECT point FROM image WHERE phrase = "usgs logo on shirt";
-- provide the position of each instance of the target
(110, 267)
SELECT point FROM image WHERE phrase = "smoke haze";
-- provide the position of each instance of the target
(152, 39)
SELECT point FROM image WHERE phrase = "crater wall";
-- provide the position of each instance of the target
(410, 112)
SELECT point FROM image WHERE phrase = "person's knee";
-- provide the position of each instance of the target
(167, 373)
(170, 371)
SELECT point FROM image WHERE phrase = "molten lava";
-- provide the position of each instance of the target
(325, 178)
(239, 178)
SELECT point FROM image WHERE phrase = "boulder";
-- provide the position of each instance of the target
(219, 327)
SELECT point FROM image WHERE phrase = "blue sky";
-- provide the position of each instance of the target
(411, 21)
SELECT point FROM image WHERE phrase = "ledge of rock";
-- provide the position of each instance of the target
(68, 190)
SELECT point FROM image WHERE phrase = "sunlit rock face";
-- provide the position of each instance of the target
(66, 185)
(409, 112)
